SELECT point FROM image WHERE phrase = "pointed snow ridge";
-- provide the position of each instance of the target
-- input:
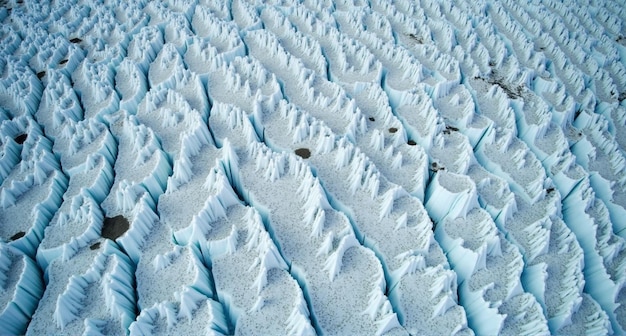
(388, 323)
(435, 287)
(21, 88)
(165, 66)
(378, 140)
(351, 61)
(214, 208)
(304, 47)
(198, 312)
(562, 295)
(493, 103)
(533, 118)
(494, 194)
(524, 316)
(59, 104)
(202, 57)
(452, 152)
(243, 77)
(589, 317)
(84, 140)
(177, 30)
(245, 15)
(334, 261)
(94, 82)
(131, 83)
(388, 199)
(108, 275)
(510, 158)
(145, 46)
(377, 301)
(11, 152)
(141, 166)
(311, 191)
(588, 218)
(467, 241)
(415, 110)
(179, 127)
(450, 194)
(11, 39)
(460, 110)
(271, 164)
(222, 34)
(71, 229)
(234, 118)
(29, 205)
(325, 143)
(24, 148)
(143, 220)
(298, 322)
(21, 287)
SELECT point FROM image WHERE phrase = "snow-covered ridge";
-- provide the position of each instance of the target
(316, 167)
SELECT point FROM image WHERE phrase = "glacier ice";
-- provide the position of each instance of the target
(359, 167)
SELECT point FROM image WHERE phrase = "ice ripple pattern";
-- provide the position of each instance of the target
(318, 167)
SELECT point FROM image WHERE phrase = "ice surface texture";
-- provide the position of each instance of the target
(313, 167)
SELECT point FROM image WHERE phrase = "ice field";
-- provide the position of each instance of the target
(405, 167)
